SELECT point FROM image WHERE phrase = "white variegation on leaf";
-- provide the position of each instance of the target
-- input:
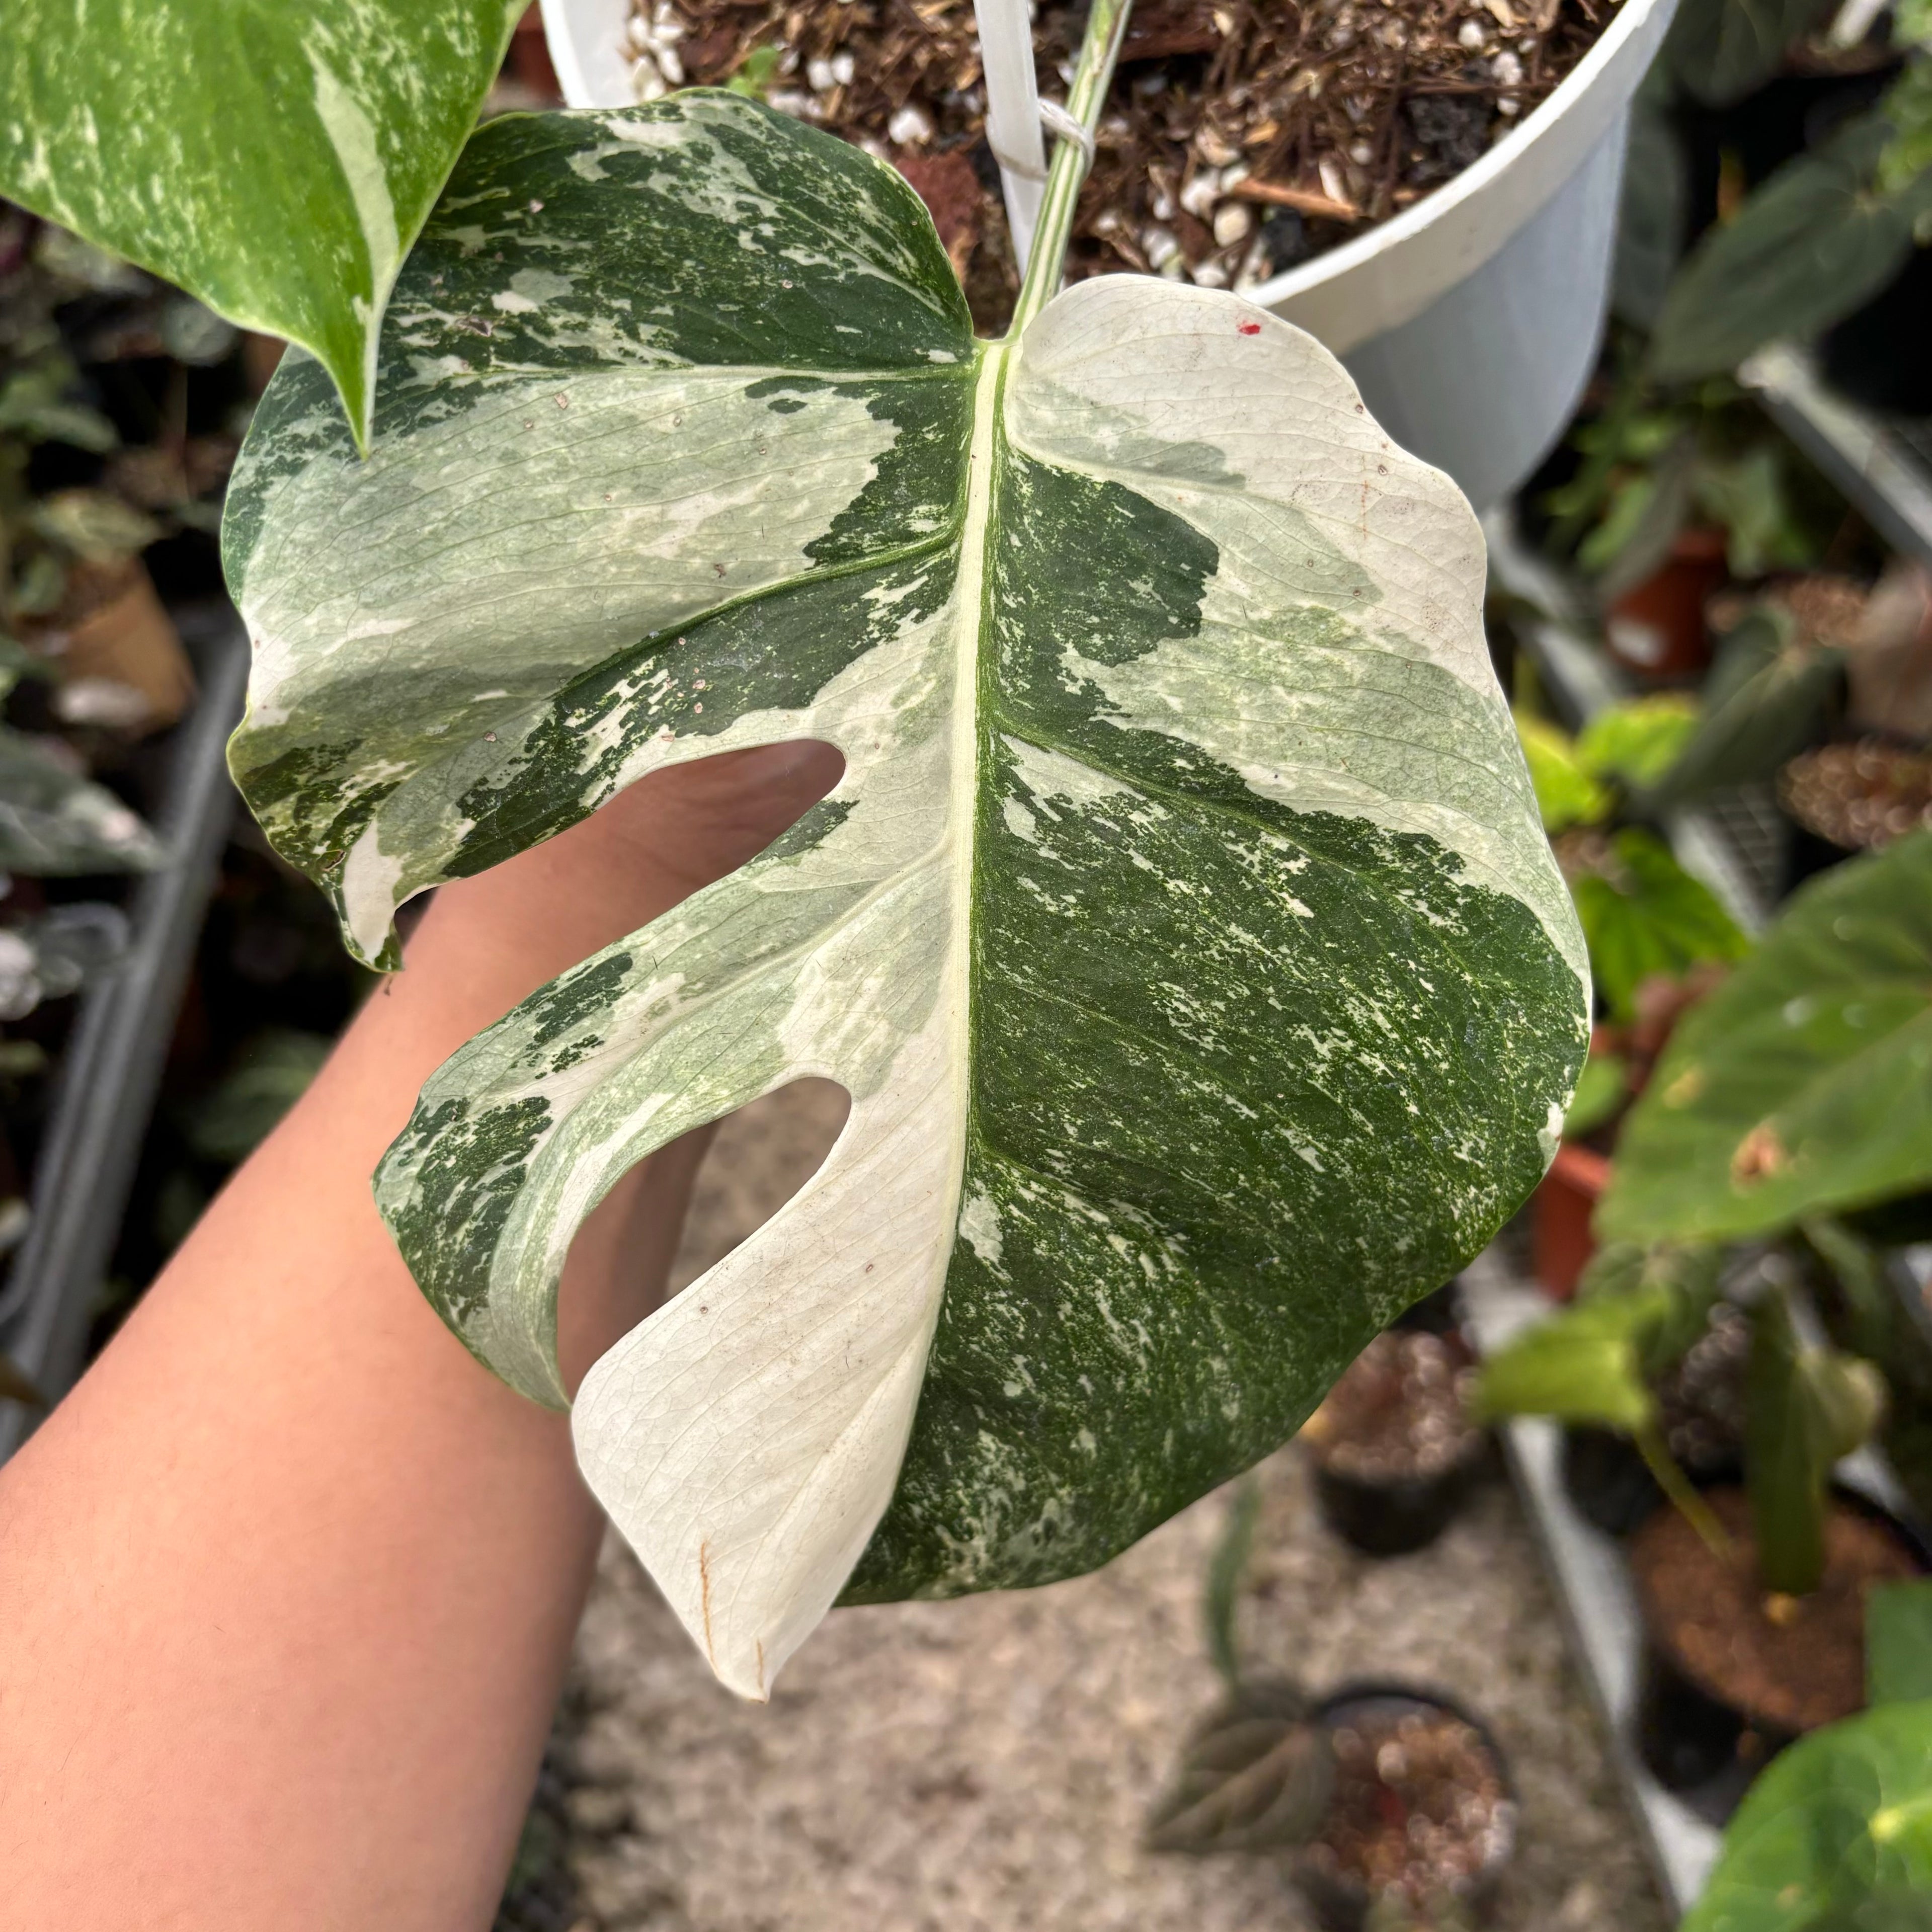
(1181, 926)
(277, 161)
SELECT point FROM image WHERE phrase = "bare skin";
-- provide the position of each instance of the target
(288, 1583)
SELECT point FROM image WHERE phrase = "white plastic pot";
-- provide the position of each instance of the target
(1471, 321)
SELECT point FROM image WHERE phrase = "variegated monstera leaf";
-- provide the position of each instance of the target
(1181, 926)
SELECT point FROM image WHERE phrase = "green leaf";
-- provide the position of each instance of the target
(1815, 242)
(1803, 1085)
(1585, 1364)
(33, 404)
(1750, 496)
(95, 525)
(1646, 514)
(1600, 1089)
(1639, 741)
(1835, 1832)
(1643, 914)
(1721, 50)
(1225, 1568)
(55, 823)
(1804, 1408)
(275, 161)
(1762, 703)
(1898, 1642)
(1889, 1909)
(1907, 109)
(1636, 1313)
(756, 73)
(1567, 793)
(1181, 926)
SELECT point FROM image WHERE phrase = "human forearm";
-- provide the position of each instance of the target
(287, 1585)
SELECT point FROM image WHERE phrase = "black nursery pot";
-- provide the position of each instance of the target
(1394, 1452)
(1703, 1747)
(1340, 1901)
(1611, 1485)
(1705, 1750)
(1394, 1516)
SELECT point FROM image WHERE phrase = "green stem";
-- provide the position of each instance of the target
(1674, 1484)
(1106, 26)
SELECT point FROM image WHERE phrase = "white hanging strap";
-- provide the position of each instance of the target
(1012, 113)
(1015, 114)
(1055, 119)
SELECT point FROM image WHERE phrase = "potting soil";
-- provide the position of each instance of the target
(1398, 1412)
(1792, 1663)
(1419, 1806)
(1241, 136)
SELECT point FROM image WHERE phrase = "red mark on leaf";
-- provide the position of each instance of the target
(1248, 328)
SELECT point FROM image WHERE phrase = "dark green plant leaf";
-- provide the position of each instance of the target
(1860, 1272)
(276, 161)
(1815, 242)
(1891, 1910)
(1837, 1827)
(1225, 1568)
(1750, 496)
(1256, 1777)
(1721, 50)
(1653, 212)
(56, 823)
(1644, 517)
(1898, 1642)
(1762, 704)
(1803, 1085)
(1804, 1408)
(1644, 914)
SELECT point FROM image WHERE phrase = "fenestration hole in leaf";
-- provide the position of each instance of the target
(758, 1158)
(685, 1208)
(690, 825)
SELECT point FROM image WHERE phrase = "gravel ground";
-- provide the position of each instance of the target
(989, 1763)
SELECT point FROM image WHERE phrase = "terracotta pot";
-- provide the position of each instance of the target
(1657, 629)
(120, 660)
(1563, 1243)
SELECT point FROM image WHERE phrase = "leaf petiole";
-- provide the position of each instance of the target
(1106, 27)
(1671, 1479)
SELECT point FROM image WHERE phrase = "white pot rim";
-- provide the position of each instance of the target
(1381, 279)
(1519, 174)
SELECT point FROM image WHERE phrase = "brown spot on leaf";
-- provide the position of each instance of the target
(1760, 1156)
